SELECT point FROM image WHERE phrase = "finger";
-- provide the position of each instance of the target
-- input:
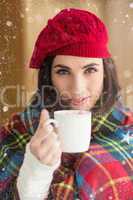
(50, 140)
(52, 156)
(45, 130)
(43, 117)
(45, 133)
(56, 130)
(46, 149)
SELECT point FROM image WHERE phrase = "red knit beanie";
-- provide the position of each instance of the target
(71, 32)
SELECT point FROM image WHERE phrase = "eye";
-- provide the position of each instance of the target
(62, 72)
(91, 70)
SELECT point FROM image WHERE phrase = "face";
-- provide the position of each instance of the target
(79, 80)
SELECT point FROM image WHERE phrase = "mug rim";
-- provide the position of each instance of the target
(73, 112)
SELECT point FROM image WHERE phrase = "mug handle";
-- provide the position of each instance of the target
(53, 121)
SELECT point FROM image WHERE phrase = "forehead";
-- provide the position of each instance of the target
(72, 60)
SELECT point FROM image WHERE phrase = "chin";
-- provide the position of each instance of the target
(85, 107)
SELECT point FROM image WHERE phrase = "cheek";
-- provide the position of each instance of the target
(96, 86)
(60, 83)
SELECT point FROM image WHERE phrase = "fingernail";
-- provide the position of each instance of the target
(49, 128)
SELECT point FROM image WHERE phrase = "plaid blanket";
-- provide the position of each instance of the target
(104, 172)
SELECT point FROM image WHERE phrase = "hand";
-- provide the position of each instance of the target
(45, 144)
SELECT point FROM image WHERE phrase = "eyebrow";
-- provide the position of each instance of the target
(84, 67)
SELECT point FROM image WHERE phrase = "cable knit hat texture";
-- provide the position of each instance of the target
(73, 32)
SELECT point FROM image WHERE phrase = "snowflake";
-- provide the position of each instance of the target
(14, 37)
(131, 5)
(101, 189)
(115, 57)
(57, 10)
(9, 23)
(39, 18)
(123, 162)
(91, 196)
(5, 154)
(115, 20)
(5, 109)
(127, 16)
(27, 9)
(129, 89)
(127, 138)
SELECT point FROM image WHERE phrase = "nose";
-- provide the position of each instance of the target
(78, 87)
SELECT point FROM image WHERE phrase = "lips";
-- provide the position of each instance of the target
(76, 101)
(79, 100)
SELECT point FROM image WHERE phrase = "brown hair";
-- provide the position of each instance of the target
(109, 96)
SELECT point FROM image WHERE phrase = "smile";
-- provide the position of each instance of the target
(79, 101)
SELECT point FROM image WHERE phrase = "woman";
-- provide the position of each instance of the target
(76, 71)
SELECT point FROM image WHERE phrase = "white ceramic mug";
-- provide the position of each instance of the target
(74, 129)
